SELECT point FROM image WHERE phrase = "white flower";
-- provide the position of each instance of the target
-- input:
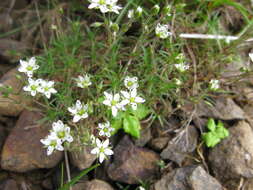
(141, 188)
(102, 150)
(162, 31)
(47, 88)
(131, 83)
(52, 142)
(251, 56)
(130, 13)
(79, 111)
(113, 101)
(177, 81)
(83, 81)
(182, 67)
(99, 4)
(131, 98)
(33, 86)
(113, 7)
(62, 131)
(214, 84)
(105, 5)
(139, 11)
(105, 129)
(28, 67)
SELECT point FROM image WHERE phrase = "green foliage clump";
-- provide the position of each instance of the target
(216, 133)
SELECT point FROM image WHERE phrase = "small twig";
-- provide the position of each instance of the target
(67, 167)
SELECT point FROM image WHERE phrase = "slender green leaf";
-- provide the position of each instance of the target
(77, 178)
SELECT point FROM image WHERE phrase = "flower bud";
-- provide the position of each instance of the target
(114, 27)
(139, 11)
(96, 24)
(155, 10)
(167, 10)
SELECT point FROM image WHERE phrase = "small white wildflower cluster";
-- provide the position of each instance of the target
(79, 111)
(214, 84)
(162, 31)
(35, 85)
(181, 66)
(105, 5)
(102, 148)
(59, 134)
(118, 102)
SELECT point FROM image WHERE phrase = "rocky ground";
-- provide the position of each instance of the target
(157, 158)
(187, 165)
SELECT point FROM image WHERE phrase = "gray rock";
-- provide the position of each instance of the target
(177, 151)
(224, 109)
(23, 151)
(188, 178)
(199, 180)
(82, 159)
(132, 164)
(233, 157)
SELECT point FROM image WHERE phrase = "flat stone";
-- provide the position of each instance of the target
(188, 178)
(93, 185)
(23, 151)
(224, 109)
(177, 151)
(133, 164)
(14, 104)
(82, 159)
(159, 143)
(232, 158)
(145, 137)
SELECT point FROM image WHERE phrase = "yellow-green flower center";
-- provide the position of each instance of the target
(132, 99)
(61, 134)
(53, 143)
(101, 149)
(34, 87)
(46, 89)
(81, 112)
(130, 83)
(85, 83)
(29, 68)
(102, 2)
(114, 102)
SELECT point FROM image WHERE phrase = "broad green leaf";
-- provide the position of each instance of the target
(210, 139)
(141, 112)
(132, 126)
(211, 124)
(222, 132)
(116, 124)
(220, 124)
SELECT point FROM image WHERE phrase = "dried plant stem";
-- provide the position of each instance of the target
(67, 167)
(212, 36)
